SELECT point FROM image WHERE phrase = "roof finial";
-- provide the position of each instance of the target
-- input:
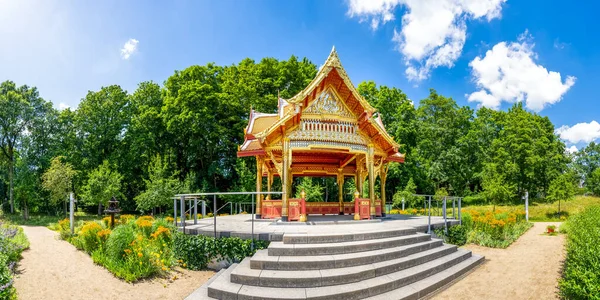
(333, 49)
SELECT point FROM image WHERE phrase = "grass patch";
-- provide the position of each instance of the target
(581, 276)
(43, 220)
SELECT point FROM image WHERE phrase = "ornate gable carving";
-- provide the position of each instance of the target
(328, 104)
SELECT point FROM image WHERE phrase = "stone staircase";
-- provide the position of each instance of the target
(392, 264)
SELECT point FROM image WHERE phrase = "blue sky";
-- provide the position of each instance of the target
(546, 51)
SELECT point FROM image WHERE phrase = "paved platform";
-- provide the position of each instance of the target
(242, 225)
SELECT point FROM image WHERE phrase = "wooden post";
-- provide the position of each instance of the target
(382, 178)
(340, 182)
(259, 173)
(285, 182)
(356, 206)
(269, 182)
(371, 170)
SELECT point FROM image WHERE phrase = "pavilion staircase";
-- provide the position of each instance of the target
(392, 264)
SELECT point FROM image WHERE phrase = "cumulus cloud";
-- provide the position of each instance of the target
(572, 149)
(581, 132)
(508, 72)
(63, 106)
(433, 31)
(129, 48)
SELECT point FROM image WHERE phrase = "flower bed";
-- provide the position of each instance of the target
(133, 249)
(496, 229)
(581, 277)
(12, 243)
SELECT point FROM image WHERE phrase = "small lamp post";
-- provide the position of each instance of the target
(303, 206)
(112, 210)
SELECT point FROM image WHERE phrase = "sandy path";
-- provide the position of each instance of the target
(528, 269)
(54, 269)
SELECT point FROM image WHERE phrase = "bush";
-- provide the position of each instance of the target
(581, 277)
(12, 243)
(196, 251)
(474, 200)
(496, 229)
(87, 238)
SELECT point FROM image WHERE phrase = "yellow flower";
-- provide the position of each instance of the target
(140, 263)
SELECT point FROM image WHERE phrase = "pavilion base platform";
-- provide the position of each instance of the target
(274, 229)
(396, 263)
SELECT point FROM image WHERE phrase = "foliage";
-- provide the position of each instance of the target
(314, 191)
(196, 251)
(160, 186)
(12, 242)
(58, 179)
(496, 229)
(593, 182)
(408, 194)
(103, 183)
(581, 277)
(134, 249)
(457, 235)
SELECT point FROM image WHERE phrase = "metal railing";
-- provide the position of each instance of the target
(196, 196)
(440, 208)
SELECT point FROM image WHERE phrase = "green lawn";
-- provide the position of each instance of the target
(541, 212)
(43, 219)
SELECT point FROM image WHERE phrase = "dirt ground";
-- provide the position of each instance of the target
(54, 269)
(528, 269)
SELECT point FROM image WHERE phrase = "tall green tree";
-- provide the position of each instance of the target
(17, 111)
(58, 180)
(102, 184)
(160, 187)
(562, 188)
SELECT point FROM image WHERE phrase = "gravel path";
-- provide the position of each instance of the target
(54, 269)
(528, 269)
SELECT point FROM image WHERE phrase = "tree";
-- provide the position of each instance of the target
(592, 183)
(495, 188)
(408, 195)
(561, 188)
(16, 113)
(103, 183)
(160, 187)
(314, 191)
(58, 180)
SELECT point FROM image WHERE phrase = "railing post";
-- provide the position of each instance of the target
(252, 213)
(429, 217)
(459, 213)
(203, 209)
(215, 216)
(402, 203)
(445, 219)
(454, 208)
(182, 212)
(175, 212)
(195, 211)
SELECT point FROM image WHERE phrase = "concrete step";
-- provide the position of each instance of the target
(243, 274)
(222, 288)
(432, 283)
(262, 260)
(305, 238)
(282, 249)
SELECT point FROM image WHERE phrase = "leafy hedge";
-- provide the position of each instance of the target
(12, 243)
(196, 251)
(581, 278)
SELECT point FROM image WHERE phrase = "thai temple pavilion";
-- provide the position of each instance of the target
(327, 129)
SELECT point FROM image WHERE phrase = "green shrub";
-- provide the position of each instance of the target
(87, 238)
(474, 200)
(581, 277)
(120, 239)
(457, 235)
(496, 229)
(196, 251)
(12, 243)
(7, 290)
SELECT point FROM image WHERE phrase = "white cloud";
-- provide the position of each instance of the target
(572, 149)
(433, 31)
(129, 48)
(63, 106)
(508, 72)
(581, 132)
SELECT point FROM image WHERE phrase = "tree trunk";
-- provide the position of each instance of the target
(11, 171)
(558, 208)
(25, 211)
(99, 209)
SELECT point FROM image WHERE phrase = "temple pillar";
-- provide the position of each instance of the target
(358, 178)
(340, 182)
(259, 173)
(269, 182)
(382, 178)
(285, 182)
(371, 170)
